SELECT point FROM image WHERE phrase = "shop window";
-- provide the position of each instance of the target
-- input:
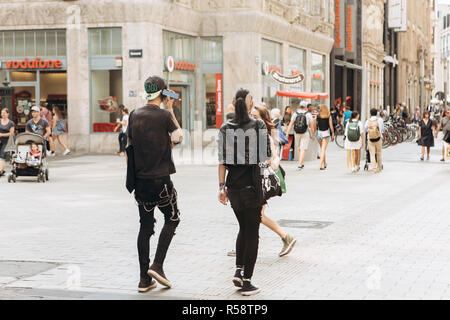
(19, 44)
(179, 46)
(317, 72)
(212, 50)
(29, 44)
(61, 43)
(106, 96)
(40, 44)
(8, 40)
(51, 43)
(213, 99)
(271, 52)
(105, 41)
(33, 43)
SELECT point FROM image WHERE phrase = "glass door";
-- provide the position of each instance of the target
(181, 106)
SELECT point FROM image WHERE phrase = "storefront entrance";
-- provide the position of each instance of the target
(30, 88)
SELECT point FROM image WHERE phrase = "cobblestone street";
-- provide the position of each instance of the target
(360, 236)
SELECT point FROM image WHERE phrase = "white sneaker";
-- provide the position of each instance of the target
(66, 152)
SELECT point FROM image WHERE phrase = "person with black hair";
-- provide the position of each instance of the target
(243, 143)
(151, 132)
(374, 128)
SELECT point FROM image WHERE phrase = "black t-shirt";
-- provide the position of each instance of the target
(40, 127)
(149, 128)
(239, 177)
(5, 129)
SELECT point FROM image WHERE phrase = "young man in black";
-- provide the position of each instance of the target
(151, 132)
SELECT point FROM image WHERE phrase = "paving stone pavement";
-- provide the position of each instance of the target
(388, 236)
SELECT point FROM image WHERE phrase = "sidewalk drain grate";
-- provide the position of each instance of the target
(302, 224)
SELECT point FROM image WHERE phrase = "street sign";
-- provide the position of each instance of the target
(135, 53)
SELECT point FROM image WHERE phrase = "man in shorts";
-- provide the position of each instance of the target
(302, 139)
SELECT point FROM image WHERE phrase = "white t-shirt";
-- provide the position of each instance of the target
(353, 145)
(309, 117)
(125, 127)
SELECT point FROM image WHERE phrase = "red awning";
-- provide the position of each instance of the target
(303, 95)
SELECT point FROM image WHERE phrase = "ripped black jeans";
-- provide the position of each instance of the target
(150, 194)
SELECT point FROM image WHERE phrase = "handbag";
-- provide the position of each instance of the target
(281, 175)
(447, 137)
(271, 184)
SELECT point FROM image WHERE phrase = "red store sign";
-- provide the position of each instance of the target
(219, 104)
(33, 64)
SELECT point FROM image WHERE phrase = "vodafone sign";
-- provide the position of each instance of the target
(33, 64)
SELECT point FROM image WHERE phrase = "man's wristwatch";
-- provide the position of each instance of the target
(221, 186)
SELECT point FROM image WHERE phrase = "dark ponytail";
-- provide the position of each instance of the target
(241, 113)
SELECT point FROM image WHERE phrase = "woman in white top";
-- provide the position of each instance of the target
(288, 241)
(354, 142)
(123, 131)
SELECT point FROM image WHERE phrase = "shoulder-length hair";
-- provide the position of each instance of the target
(265, 116)
(324, 111)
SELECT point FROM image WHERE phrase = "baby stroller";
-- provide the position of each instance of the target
(22, 165)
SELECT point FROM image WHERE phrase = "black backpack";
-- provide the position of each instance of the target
(301, 123)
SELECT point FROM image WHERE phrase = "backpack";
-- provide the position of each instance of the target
(374, 131)
(301, 123)
(353, 131)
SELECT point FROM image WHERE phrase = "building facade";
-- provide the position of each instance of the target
(346, 58)
(441, 51)
(87, 57)
(415, 75)
(373, 52)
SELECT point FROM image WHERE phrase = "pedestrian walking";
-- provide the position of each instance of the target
(40, 126)
(7, 128)
(47, 115)
(303, 124)
(445, 127)
(290, 134)
(151, 132)
(354, 134)
(59, 128)
(281, 140)
(426, 134)
(346, 116)
(375, 127)
(325, 132)
(122, 125)
(288, 241)
(240, 186)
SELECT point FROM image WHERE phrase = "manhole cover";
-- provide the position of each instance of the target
(24, 269)
(301, 224)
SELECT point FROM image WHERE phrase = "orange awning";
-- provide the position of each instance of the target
(303, 95)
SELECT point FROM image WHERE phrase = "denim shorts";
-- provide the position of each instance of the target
(320, 138)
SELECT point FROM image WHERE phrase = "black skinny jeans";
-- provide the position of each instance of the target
(149, 195)
(123, 141)
(248, 214)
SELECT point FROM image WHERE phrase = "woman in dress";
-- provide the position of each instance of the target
(6, 130)
(59, 128)
(262, 113)
(354, 147)
(426, 134)
(325, 132)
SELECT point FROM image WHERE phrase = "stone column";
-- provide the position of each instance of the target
(240, 66)
(78, 88)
